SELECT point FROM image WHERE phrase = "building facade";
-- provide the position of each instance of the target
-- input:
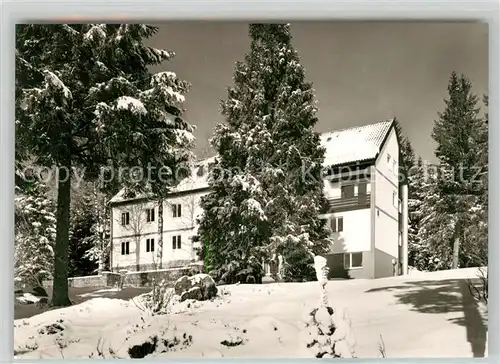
(367, 217)
(135, 234)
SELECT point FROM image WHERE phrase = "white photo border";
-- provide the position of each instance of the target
(22, 11)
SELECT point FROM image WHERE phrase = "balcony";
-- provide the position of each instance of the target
(349, 203)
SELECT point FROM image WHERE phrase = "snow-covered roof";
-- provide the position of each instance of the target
(198, 180)
(120, 197)
(356, 144)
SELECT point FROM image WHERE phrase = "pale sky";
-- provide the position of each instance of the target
(363, 72)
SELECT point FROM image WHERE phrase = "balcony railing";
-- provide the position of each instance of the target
(349, 203)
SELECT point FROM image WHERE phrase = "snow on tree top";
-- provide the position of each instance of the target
(96, 32)
(52, 80)
(136, 106)
(354, 144)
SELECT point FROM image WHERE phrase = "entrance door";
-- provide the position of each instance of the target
(335, 263)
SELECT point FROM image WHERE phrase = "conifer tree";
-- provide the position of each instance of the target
(89, 248)
(416, 194)
(267, 188)
(85, 98)
(436, 228)
(407, 153)
(34, 233)
(459, 134)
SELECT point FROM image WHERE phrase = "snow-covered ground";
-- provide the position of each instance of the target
(420, 315)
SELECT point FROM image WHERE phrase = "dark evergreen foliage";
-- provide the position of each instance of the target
(267, 191)
(85, 98)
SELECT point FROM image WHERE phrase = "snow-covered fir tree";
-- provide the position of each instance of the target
(100, 231)
(85, 98)
(267, 188)
(417, 188)
(407, 153)
(436, 228)
(34, 232)
(458, 192)
(476, 235)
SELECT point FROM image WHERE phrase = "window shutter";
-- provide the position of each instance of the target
(333, 224)
(347, 260)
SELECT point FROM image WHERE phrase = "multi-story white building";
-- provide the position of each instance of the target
(134, 225)
(368, 204)
(367, 217)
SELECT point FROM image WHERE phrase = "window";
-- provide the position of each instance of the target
(353, 260)
(176, 242)
(337, 224)
(347, 191)
(400, 204)
(394, 169)
(201, 170)
(125, 218)
(150, 245)
(150, 215)
(395, 199)
(125, 248)
(362, 189)
(388, 158)
(176, 210)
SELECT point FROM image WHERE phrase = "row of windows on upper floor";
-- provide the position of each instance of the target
(150, 214)
(348, 191)
(336, 224)
(150, 245)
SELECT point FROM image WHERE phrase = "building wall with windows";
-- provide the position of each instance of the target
(350, 250)
(387, 205)
(364, 217)
(135, 235)
(363, 188)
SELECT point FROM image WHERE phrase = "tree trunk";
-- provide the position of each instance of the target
(100, 230)
(160, 234)
(100, 267)
(137, 252)
(456, 248)
(60, 296)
